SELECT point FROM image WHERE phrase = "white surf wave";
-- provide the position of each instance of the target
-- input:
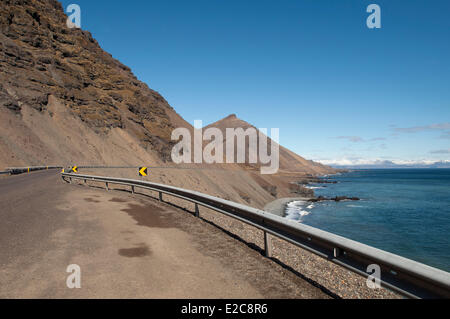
(314, 187)
(297, 210)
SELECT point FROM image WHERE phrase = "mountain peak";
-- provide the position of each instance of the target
(231, 117)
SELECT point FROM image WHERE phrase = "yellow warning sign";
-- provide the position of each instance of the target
(74, 169)
(143, 171)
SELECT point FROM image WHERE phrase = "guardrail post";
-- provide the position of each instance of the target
(336, 252)
(268, 245)
(70, 180)
(107, 186)
(132, 189)
(197, 212)
(160, 197)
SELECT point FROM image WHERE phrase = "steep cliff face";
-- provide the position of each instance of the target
(43, 61)
(63, 100)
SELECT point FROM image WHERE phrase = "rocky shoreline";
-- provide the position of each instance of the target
(279, 206)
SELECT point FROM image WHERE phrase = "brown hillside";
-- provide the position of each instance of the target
(59, 88)
(289, 161)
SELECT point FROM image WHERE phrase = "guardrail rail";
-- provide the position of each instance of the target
(404, 276)
(21, 170)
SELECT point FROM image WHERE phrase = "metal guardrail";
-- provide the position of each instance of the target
(21, 170)
(404, 276)
(5, 172)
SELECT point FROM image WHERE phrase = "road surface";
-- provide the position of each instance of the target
(127, 246)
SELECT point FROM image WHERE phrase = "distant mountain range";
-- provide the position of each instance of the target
(392, 164)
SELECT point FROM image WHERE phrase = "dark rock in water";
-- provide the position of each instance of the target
(318, 199)
(315, 181)
(342, 198)
(322, 181)
(336, 199)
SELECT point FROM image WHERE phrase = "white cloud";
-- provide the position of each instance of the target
(354, 139)
(445, 135)
(447, 151)
(377, 161)
(424, 128)
(357, 139)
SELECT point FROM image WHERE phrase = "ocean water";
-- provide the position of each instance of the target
(403, 211)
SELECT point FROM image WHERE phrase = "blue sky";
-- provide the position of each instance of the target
(336, 89)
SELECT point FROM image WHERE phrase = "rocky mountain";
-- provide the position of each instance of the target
(288, 160)
(61, 78)
(63, 100)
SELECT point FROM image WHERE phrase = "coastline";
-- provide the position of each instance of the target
(278, 206)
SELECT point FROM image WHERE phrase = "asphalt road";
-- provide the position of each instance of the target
(127, 246)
